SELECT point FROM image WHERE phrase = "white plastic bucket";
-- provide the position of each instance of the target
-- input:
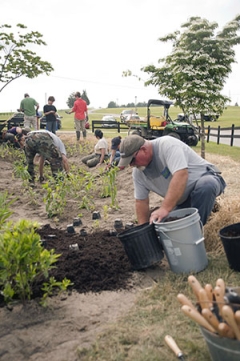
(183, 241)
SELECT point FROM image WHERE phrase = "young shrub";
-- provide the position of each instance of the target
(22, 259)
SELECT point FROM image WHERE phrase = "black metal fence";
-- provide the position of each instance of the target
(230, 132)
(100, 124)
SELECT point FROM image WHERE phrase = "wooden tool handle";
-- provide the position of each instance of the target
(225, 331)
(237, 317)
(211, 318)
(197, 317)
(219, 298)
(173, 346)
(209, 290)
(196, 286)
(184, 300)
(203, 298)
(220, 283)
(228, 315)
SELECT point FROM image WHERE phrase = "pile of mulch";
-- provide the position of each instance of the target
(100, 264)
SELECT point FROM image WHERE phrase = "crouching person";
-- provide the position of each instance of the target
(48, 146)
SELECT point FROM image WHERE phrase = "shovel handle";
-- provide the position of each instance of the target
(225, 331)
(228, 315)
(184, 300)
(173, 346)
(237, 317)
(211, 318)
(197, 317)
(219, 298)
(221, 284)
(196, 286)
(203, 299)
(209, 290)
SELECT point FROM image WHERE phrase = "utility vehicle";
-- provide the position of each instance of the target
(153, 126)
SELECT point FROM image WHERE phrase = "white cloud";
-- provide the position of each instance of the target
(91, 42)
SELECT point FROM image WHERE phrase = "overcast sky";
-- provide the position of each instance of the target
(91, 42)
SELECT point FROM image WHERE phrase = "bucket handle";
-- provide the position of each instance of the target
(196, 242)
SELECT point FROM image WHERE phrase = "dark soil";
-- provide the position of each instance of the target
(171, 219)
(100, 263)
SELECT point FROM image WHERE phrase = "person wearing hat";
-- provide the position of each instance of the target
(100, 151)
(115, 152)
(170, 168)
(29, 107)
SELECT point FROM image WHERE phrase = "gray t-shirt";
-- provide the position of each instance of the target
(169, 156)
(56, 140)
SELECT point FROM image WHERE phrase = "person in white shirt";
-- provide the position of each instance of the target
(101, 152)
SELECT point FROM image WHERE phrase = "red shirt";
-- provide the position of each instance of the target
(80, 107)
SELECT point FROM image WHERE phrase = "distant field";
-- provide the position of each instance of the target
(230, 116)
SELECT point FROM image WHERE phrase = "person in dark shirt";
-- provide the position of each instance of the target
(50, 111)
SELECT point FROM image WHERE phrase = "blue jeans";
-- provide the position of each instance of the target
(204, 194)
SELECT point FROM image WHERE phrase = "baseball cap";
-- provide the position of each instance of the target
(129, 146)
(115, 143)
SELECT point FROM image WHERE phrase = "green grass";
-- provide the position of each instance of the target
(230, 116)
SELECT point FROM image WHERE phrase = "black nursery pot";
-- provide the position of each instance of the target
(230, 237)
(142, 246)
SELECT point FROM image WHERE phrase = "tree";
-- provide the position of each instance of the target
(197, 68)
(16, 59)
(112, 104)
(71, 98)
(85, 97)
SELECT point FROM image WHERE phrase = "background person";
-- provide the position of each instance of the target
(50, 111)
(81, 114)
(29, 107)
(115, 152)
(100, 151)
(173, 170)
(10, 136)
(48, 146)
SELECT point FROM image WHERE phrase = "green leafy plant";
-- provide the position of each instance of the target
(109, 187)
(22, 259)
(49, 287)
(5, 213)
(55, 197)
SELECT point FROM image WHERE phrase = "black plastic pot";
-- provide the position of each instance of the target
(230, 237)
(142, 246)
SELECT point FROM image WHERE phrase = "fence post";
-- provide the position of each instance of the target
(232, 135)
(208, 133)
(218, 135)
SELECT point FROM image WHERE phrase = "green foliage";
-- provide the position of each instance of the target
(55, 197)
(49, 287)
(109, 187)
(5, 213)
(71, 98)
(22, 259)
(196, 70)
(16, 59)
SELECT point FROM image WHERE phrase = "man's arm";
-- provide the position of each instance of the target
(175, 191)
(142, 210)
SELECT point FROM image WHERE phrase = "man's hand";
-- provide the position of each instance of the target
(158, 215)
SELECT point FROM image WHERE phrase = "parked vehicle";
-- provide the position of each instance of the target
(43, 122)
(109, 118)
(191, 118)
(157, 126)
(16, 120)
(126, 113)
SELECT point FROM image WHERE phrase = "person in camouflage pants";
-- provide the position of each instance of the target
(41, 143)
